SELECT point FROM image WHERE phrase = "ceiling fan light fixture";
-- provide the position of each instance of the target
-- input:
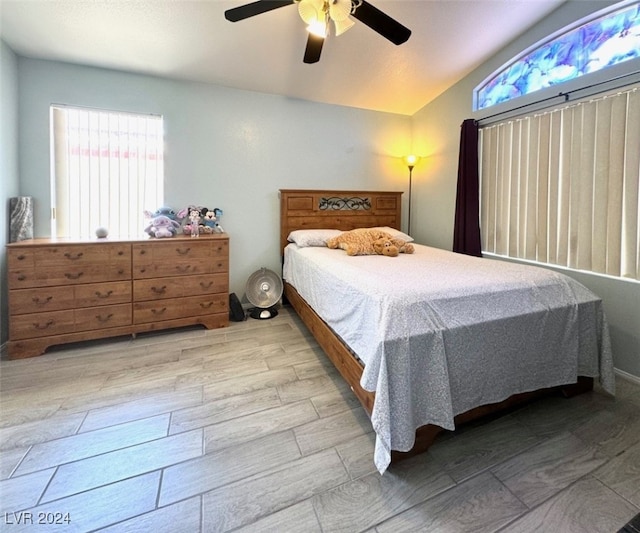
(318, 28)
(318, 14)
(311, 11)
(343, 25)
(340, 9)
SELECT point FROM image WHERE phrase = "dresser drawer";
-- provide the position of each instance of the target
(211, 284)
(102, 293)
(180, 257)
(43, 299)
(170, 251)
(46, 276)
(22, 301)
(82, 254)
(179, 286)
(21, 258)
(174, 249)
(41, 324)
(176, 268)
(220, 264)
(108, 316)
(23, 278)
(157, 311)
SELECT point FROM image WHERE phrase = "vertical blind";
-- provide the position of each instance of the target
(107, 169)
(561, 187)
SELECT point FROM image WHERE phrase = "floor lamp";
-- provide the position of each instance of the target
(411, 161)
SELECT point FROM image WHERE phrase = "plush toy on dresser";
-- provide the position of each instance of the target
(192, 214)
(194, 222)
(200, 220)
(163, 223)
(162, 211)
(210, 220)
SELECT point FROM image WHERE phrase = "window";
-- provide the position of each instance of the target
(609, 40)
(107, 169)
(562, 187)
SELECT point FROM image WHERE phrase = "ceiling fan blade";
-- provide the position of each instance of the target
(382, 23)
(314, 49)
(254, 8)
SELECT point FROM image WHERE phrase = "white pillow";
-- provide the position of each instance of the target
(312, 237)
(396, 234)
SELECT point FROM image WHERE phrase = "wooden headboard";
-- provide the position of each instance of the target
(343, 210)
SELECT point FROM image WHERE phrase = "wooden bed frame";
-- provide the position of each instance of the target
(346, 210)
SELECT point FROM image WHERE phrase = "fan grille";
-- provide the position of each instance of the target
(264, 288)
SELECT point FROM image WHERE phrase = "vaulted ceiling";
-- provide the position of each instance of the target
(191, 40)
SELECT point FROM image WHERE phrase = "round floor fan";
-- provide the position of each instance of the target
(264, 290)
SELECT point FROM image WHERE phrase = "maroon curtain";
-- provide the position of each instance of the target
(466, 228)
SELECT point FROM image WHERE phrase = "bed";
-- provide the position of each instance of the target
(434, 339)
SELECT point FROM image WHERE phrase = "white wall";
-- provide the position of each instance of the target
(225, 148)
(436, 134)
(8, 165)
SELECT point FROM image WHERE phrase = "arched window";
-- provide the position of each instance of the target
(589, 47)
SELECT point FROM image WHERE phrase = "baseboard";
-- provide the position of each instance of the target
(627, 376)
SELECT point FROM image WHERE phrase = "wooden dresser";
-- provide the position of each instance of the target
(63, 291)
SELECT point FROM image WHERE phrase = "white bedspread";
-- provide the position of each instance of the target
(440, 333)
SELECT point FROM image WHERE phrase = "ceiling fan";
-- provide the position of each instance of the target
(318, 15)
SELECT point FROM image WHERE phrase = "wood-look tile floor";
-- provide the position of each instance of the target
(249, 428)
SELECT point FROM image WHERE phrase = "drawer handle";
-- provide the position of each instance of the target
(21, 257)
(158, 311)
(183, 269)
(183, 251)
(142, 252)
(159, 290)
(69, 255)
(120, 252)
(39, 301)
(22, 277)
(45, 326)
(206, 305)
(104, 295)
(206, 285)
(68, 275)
(103, 319)
(121, 271)
(143, 270)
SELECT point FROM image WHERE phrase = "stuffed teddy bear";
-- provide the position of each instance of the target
(392, 247)
(366, 241)
(385, 247)
(403, 246)
(162, 226)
